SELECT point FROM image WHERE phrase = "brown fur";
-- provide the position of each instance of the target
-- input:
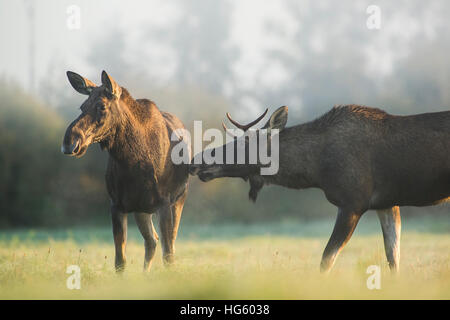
(140, 176)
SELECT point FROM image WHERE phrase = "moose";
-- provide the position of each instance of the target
(140, 176)
(362, 158)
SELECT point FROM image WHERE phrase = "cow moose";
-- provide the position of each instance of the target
(140, 176)
(362, 158)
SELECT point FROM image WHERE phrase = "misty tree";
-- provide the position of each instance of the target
(200, 42)
(332, 58)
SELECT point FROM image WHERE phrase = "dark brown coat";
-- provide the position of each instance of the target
(362, 158)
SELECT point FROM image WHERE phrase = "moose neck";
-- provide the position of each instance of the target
(299, 149)
(134, 131)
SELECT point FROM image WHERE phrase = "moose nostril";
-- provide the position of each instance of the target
(77, 147)
(74, 148)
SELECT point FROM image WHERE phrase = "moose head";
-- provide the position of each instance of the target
(99, 113)
(244, 156)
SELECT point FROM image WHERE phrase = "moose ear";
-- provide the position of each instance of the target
(111, 85)
(80, 84)
(278, 119)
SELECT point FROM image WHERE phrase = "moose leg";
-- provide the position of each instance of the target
(169, 221)
(176, 211)
(391, 225)
(343, 229)
(119, 225)
(145, 225)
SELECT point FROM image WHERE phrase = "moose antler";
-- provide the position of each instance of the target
(248, 125)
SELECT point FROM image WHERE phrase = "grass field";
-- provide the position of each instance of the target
(277, 261)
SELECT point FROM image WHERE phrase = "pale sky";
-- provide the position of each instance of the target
(56, 43)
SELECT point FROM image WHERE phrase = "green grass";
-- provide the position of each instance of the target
(277, 261)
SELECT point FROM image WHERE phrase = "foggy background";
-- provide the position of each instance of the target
(201, 59)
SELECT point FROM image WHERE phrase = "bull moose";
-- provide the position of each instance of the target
(140, 176)
(362, 158)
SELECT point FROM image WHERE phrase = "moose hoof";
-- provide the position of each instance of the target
(325, 267)
(120, 267)
(168, 259)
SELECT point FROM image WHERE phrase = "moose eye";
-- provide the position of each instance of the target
(100, 106)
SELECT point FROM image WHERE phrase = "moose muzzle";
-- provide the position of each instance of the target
(73, 141)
